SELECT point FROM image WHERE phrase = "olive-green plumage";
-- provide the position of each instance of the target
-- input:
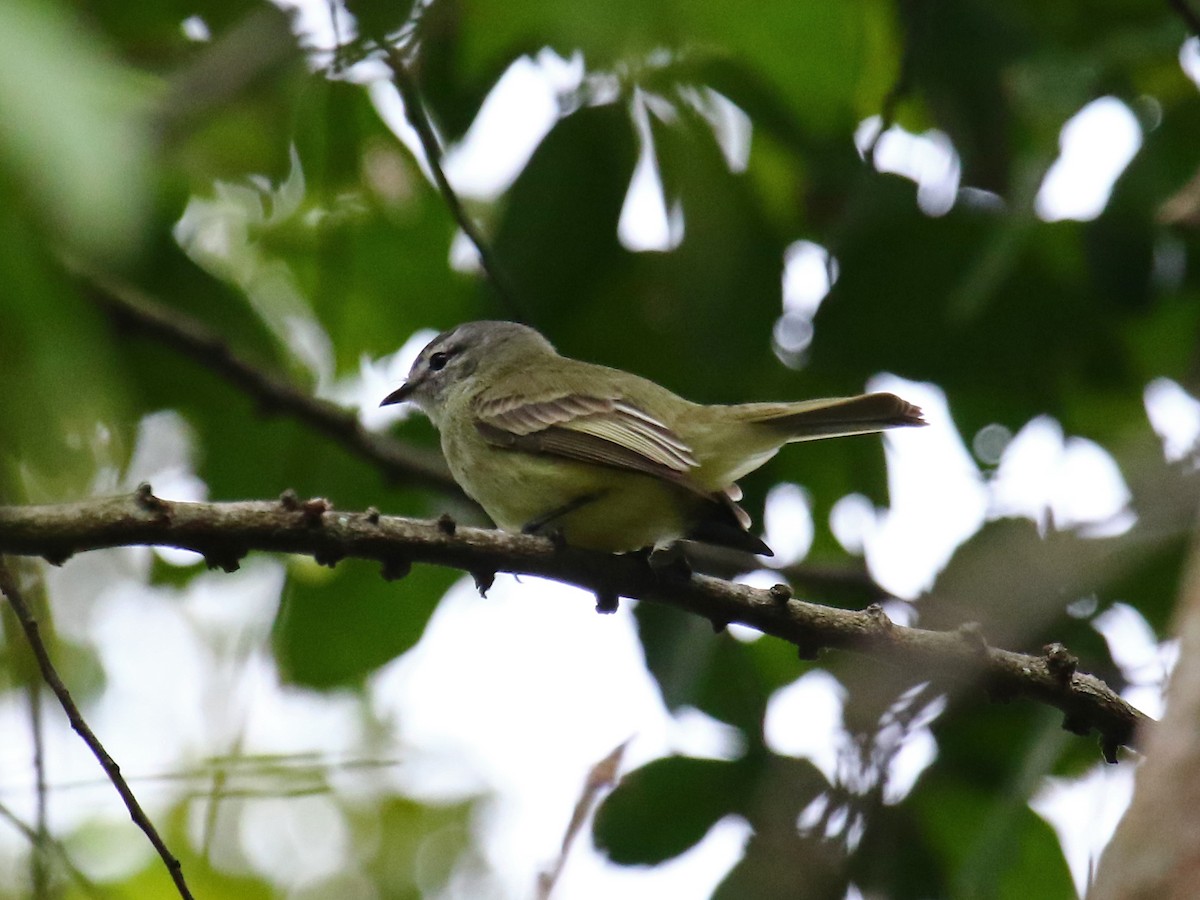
(611, 460)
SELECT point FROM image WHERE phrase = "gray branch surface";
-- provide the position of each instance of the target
(225, 532)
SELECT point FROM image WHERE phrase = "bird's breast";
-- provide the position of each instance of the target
(604, 508)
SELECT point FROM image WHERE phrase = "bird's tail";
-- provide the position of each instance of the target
(738, 439)
(811, 419)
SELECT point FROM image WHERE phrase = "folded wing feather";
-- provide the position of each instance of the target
(591, 429)
(603, 431)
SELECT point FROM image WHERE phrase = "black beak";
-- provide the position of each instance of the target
(399, 395)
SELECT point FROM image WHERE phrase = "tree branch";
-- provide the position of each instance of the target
(8, 587)
(38, 840)
(39, 873)
(133, 310)
(414, 111)
(225, 532)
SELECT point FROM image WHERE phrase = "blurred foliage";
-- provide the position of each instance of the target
(323, 617)
(230, 170)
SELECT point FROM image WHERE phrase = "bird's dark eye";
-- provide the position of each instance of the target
(438, 361)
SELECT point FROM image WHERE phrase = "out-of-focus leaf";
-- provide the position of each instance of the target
(418, 845)
(169, 277)
(978, 741)
(333, 631)
(780, 861)
(376, 262)
(731, 252)
(661, 809)
(992, 844)
(994, 310)
(151, 33)
(830, 63)
(256, 462)
(221, 80)
(828, 471)
(63, 410)
(583, 164)
(711, 672)
(816, 54)
(621, 30)
(75, 142)
(896, 858)
(1013, 582)
(958, 58)
(1157, 343)
(203, 879)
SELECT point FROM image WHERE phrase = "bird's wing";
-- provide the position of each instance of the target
(600, 430)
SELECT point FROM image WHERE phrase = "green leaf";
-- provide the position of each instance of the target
(695, 667)
(815, 54)
(334, 629)
(781, 861)
(76, 140)
(584, 163)
(371, 244)
(993, 846)
(665, 807)
(63, 408)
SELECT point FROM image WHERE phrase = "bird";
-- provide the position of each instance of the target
(601, 458)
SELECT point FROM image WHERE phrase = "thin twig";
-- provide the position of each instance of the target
(39, 873)
(85, 884)
(8, 587)
(218, 791)
(418, 117)
(132, 309)
(601, 778)
(224, 532)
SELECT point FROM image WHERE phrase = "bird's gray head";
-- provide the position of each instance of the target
(453, 356)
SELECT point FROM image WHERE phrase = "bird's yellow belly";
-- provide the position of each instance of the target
(596, 507)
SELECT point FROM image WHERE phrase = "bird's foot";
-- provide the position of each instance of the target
(669, 562)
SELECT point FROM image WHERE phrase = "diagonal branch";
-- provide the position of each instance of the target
(8, 587)
(39, 874)
(600, 780)
(418, 117)
(39, 840)
(131, 309)
(225, 532)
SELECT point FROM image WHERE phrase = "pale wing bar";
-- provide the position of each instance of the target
(613, 433)
(580, 427)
